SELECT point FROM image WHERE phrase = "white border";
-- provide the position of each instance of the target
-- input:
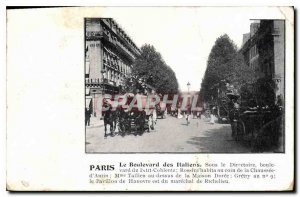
(93, 3)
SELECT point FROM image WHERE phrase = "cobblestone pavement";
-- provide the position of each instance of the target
(170, 135)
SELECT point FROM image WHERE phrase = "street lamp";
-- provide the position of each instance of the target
(188, 86)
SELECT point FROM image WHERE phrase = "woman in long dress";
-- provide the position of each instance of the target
(188, 115)
(179, 116)
(212, 118)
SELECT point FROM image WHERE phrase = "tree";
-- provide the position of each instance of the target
(225, 64)
(238, 73)
(151, 69)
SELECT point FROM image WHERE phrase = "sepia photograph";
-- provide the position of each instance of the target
(145, 98)
(191, 86)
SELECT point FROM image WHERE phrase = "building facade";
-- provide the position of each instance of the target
(263, 50)
(109, 55)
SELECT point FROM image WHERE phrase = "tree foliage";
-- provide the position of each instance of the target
(151, 69)
(224, 63)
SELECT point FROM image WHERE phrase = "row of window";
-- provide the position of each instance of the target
(118, 30)
(115, 40)
(111, 38)
(253, 51)
(113, 76)
(92, 34)
(254, 64)
(111, 26)
(111, 60)
(95, 45)
(263, 68)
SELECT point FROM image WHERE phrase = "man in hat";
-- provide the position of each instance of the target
(87, 116)
(107, 114)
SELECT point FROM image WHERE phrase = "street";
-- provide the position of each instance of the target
(171, 135)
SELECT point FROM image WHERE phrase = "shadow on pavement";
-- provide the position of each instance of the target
(218, 140)
(185, 124)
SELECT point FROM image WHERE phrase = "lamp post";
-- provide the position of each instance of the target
(188, 86)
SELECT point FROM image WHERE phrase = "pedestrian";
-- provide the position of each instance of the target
(213, 115)
(179, 116)
(233, 116)
(87, 116)
(154, 115)
(212, 119)
(188, 115)
(236, 105)
(199, 113)
(279, 100)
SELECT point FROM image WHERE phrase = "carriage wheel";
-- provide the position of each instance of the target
(122, 129)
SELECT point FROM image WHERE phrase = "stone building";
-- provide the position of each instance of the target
(109, 55)
(263, 50)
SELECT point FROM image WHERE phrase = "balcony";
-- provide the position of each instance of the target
(104, 85)
(93, 82)
(120, 46)
(99, 82)
(93, 35)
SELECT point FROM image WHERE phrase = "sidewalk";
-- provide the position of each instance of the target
(96, 122)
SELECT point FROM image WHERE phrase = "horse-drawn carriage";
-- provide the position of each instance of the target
(260, 126)
(161, 110)
(173, 111)
(128, 117)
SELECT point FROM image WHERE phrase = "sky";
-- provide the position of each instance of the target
(184, 36)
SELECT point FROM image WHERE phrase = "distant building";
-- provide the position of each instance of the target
(109, 55)
(246, 38)
(190, 96)
(263, 51)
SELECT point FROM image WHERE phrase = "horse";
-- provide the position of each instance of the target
(139, 121)
(124, 122)
(110, 118)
